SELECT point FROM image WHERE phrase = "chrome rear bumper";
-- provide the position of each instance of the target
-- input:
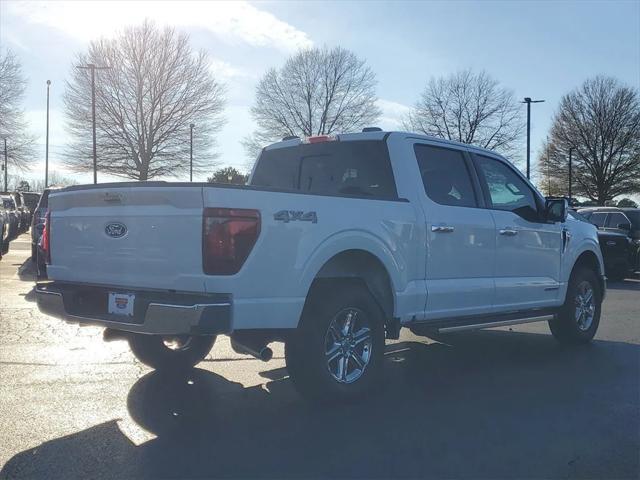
(159, 318)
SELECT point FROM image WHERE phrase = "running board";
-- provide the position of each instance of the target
(501, 323)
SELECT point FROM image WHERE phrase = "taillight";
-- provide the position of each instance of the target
(45, 239)
(228, 235)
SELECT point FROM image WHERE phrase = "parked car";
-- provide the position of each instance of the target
(4, 231)
(30, 200)
(12, 213)
(21, 211)
(625, 221)
(37, 227)
(334, 245)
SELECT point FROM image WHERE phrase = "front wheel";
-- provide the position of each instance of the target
(337, 352)
(170, 352)
(579, 317)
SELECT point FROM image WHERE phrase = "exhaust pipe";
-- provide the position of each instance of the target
(109, 335)
(256, 349)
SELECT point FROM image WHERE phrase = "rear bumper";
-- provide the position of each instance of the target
(156, 312)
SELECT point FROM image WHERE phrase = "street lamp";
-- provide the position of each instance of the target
(570, 170)
(528, 101)
(93, 69)
(5, 164)
(46, 154)
(191, 152)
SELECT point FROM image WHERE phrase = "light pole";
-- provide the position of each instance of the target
(46, 148)
(93, 69)
(528, 101)
(548, 171)
(191, 152)
(5, 164)
(570, 170)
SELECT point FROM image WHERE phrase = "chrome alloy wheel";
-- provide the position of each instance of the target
(585, 306)
(348, 343)
(178, 343)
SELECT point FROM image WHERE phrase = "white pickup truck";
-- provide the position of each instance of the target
(334, 245)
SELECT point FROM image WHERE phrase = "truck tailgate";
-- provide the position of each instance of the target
(130, 236)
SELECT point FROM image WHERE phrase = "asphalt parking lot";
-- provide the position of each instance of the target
(491, 404)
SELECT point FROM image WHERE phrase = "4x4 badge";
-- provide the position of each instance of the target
(287, 216)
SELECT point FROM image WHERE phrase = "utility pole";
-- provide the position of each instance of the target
(528, 101)
(5, 165)
(191, 152)
(93, 68)
(46, 151)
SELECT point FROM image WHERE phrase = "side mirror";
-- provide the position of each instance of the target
(624, 226)
(556, 209)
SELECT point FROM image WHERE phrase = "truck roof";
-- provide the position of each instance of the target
(383, 134)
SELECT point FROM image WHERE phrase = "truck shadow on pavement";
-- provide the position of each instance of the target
(493, 404)
(627, 284)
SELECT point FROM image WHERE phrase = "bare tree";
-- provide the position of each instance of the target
(470, 108)
(600, 122)
(13, 126)
(155, 88)
(56, 179)
(318, 91)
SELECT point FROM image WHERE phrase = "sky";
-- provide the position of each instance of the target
(540, 49)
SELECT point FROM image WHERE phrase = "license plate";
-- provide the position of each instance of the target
(121, 303)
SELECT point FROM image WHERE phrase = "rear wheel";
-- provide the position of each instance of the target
(579, 317)
(337, 352)
(170, 352)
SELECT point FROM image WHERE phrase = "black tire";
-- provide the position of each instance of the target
(155, 353)
(570, 328)
(306, 349)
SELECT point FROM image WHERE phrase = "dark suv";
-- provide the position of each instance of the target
(624, 221)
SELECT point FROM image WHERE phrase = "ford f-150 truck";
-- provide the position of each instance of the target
(334, 245)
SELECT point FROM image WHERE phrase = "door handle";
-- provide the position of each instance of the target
(508, 231)
(442, 228)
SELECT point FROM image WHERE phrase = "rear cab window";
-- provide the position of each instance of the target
(358, 168)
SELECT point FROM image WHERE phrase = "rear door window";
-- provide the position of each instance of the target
(445, 176)
(598, 219)
(350, 168)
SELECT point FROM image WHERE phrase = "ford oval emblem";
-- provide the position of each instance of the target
(115, 230)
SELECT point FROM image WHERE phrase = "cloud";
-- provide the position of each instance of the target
(13, 39)
(392, 114)
(231, 21)
(225, 71)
